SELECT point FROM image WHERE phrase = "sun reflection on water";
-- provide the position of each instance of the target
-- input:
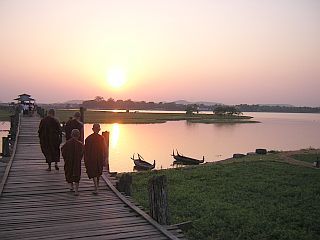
(115, 133)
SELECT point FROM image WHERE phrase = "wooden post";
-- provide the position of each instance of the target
(125, 184)
(158, 199)
(106, 135)
(5, 147)
(12, 121)
(12, 124)
(82, 114)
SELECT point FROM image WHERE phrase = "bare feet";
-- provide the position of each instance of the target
(49, 167)
(71, 187)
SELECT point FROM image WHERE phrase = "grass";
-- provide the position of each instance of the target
(257, 197)
(5, 115)
(143, 118)
(307, 157)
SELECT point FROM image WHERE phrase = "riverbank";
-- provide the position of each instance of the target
(145, 118)
(255, 197)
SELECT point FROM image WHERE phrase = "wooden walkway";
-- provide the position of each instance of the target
(36, 204)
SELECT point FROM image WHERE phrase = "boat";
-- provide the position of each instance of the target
(180, 159)
(141, 164)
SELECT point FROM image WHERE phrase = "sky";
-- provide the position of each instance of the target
(227, 51)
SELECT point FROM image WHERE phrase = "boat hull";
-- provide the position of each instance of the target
(186, 160)
(143, 165)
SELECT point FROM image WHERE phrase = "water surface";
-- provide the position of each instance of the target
(277, 131)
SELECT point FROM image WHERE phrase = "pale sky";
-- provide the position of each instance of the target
(229, 51)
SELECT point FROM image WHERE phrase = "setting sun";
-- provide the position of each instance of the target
(116, 77)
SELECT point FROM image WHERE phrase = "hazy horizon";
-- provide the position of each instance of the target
(177, 100)
(237, 51)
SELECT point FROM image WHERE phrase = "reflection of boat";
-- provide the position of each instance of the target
(186, 160)
(141, 164)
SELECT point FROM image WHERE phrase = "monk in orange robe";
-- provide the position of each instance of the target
(95, 156)
(50, 135)
(74, 123)
(72, 153)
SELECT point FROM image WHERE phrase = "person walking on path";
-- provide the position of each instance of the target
(72, 153)
(95, 156)
(50, 135)
(74, 123)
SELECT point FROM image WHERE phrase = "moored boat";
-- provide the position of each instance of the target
(141, 164)
(179, 158)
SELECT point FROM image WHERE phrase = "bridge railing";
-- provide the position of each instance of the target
(15, 131)
(7, 142)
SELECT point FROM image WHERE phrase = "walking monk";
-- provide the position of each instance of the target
(72, 153)
(74, 123)
(50, 135)
(95, 156)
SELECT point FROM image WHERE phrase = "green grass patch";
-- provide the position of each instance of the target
(255, 198)
(143, 118)
(310, 157)
(5, 115)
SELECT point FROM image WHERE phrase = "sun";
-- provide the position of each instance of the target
(116, 77)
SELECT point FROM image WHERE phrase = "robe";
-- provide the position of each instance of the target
(50, 135)
(72, 153)
(74, 124)
(94, 155)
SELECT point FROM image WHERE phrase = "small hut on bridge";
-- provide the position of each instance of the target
(26, 103)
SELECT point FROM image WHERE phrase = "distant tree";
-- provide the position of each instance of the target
(99, 99)
(191, 109)
(224, 109)
(219, 110)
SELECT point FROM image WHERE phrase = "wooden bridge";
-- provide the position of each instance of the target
(36, 204)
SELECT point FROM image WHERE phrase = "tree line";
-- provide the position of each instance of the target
(112, 104)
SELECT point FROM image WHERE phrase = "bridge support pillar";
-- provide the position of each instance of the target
(158, 199)
(125, 184)
(5, 147)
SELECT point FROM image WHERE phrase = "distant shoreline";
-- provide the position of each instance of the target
(148, 118)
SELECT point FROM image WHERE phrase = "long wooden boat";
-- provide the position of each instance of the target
(141, 164)
(186, 160)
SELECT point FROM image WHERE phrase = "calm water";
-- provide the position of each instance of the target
(277, 131)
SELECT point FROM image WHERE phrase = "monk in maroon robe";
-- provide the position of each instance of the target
(95, 155)
(50, 135)
(72, 153)
(74, 123)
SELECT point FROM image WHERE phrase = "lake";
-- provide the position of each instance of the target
(277, 131)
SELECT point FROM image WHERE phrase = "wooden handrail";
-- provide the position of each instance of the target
(8, 167)
(138, 210)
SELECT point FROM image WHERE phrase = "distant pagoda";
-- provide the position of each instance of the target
(25, 99)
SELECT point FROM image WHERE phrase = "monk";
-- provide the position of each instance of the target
(72, 153)
(95, 156)
(74, 123)
(50, 135)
